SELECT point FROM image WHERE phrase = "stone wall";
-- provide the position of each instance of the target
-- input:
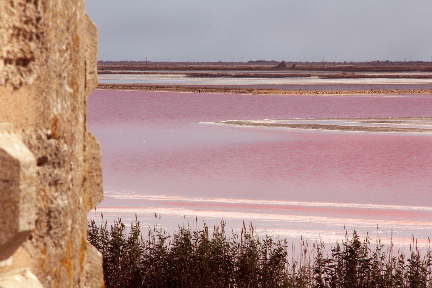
(50, 165)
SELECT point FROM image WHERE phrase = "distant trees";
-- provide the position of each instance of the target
(281, 65)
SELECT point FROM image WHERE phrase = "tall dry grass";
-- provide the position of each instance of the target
(200, 258)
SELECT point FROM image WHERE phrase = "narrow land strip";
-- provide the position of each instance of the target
(424, 125)
(253, 91)
(273, 74)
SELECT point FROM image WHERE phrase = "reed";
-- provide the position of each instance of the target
(200, 258)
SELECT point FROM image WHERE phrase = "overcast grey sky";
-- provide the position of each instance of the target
(290, 30)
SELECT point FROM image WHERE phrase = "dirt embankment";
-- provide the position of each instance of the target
(278, 75)
(294, 75)
(229, 90)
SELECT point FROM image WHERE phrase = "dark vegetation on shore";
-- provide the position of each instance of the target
(200, 258)
(261, 65)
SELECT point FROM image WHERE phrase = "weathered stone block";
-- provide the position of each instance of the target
(90, 43)
(19, 279)
(93, 268)
(93, 189)
(17, 194)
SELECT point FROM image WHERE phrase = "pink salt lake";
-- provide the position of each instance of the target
(161, 155)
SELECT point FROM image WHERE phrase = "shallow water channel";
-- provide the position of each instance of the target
(160, 155)
(289, 83)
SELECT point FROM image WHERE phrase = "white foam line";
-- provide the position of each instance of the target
(328, 221)
(266, 202)
(333, 237)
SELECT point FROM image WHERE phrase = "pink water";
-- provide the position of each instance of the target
(159, 156)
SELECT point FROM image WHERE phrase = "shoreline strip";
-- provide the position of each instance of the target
(254, 91)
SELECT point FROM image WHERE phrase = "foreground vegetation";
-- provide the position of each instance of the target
(199, 258)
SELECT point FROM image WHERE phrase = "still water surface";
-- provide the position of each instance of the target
(159, 155)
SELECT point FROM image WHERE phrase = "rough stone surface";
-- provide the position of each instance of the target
(91, 56)
(19, 41)
(93, 190)
(47, 70)
(17, 194)
(94, 270)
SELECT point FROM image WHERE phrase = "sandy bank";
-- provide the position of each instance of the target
(379, 125)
